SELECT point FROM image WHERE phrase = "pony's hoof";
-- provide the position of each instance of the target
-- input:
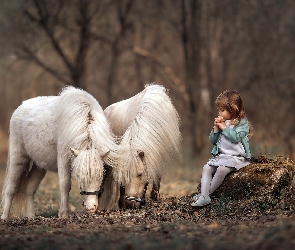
(3, 217)
(63, 214)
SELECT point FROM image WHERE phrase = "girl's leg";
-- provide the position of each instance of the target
(203, 198)
(207, 173)
(219, 176)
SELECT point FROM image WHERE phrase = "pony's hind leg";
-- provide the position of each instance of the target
(16, 172)
(35, 177)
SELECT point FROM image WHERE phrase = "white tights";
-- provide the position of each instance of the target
(209, 184)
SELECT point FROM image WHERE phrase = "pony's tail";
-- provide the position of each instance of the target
(19, 200)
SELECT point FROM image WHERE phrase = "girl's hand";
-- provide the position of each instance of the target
(222, 125)
(219, 122)
(215, 128)
(218, 119)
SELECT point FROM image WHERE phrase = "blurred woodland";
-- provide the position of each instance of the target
(195, 48)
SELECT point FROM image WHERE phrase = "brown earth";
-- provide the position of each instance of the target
(169, 223)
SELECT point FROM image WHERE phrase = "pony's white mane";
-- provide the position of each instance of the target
(150, 123)
(81, 125)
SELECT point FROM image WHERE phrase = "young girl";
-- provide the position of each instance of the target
(230, 137)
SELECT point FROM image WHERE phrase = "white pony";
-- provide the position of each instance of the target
(147, 125)
(68, 134)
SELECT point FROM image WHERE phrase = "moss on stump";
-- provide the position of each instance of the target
(266, 183)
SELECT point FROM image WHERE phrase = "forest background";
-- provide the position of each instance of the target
(195, 48)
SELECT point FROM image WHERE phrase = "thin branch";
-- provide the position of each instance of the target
(27, 54)
(167, 70)
(43, 22)
(100, 38)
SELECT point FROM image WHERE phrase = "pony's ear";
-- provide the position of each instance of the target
(140, 154)
(105, 154)
(75, 152)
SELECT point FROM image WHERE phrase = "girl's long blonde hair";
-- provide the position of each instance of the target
(231, 101)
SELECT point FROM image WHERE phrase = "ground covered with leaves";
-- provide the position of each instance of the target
(169, 223)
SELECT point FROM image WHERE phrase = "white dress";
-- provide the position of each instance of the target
(230, 154)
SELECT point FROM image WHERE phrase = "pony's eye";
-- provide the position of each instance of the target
(139, 175)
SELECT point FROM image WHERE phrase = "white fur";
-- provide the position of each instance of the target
(146, 122)
(42, 131)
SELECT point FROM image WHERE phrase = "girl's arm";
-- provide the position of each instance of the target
(215, 132)
(213, 137)
(236, 134)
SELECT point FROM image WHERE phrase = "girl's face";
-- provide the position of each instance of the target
(225, 114)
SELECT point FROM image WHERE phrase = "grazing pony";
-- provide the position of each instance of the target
(68, 134)
(147, 126)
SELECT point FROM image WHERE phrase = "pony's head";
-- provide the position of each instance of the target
(89, 170)
(132, 177)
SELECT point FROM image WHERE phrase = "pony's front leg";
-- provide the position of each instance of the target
(34, 178)
(64, 176)
(155, 193)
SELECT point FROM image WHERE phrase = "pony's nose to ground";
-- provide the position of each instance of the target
(132, 204)
(91, 210)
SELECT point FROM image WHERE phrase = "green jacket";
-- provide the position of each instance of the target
(238, 133)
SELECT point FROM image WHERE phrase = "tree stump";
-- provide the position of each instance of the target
(265, 181)
(263, 186)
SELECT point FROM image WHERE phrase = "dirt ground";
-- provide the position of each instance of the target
(169, 223)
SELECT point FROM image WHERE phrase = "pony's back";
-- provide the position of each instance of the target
(123, 113)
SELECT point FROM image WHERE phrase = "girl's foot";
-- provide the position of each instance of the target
(201, 201)
(196, 197)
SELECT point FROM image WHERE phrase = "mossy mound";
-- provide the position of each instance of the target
(267, 183)
(268, 178)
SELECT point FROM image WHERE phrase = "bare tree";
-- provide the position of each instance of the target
(66, 30)
(191, 42)
(122, 12)
(195, 48)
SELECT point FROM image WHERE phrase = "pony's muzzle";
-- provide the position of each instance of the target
(90, 202)
(134, 202)
(91, 210)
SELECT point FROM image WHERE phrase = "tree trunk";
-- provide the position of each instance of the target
(191, 46)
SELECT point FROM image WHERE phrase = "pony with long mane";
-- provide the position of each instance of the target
(68, 134)
(147, 126)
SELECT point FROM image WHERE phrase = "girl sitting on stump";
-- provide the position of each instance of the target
(230, 137)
